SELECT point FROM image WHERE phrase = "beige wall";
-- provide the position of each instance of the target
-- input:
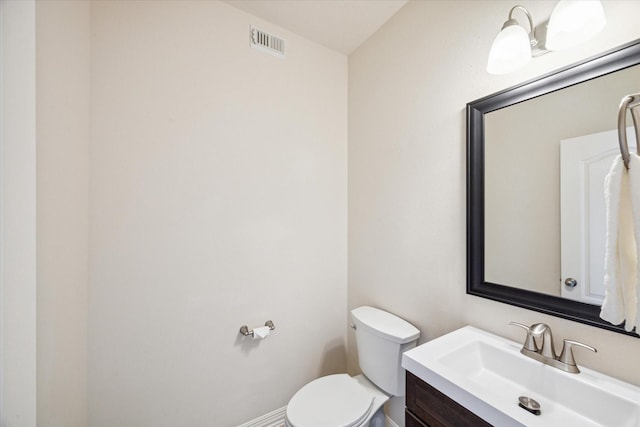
(408, 87)
(217, 199)
(62, 37)
(18, 214)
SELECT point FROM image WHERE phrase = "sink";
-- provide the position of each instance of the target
(486, 374)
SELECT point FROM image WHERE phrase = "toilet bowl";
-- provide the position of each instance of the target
(337, 400)
(343, 401)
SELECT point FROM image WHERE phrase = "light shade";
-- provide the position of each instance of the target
(573, 22)
(510, 50)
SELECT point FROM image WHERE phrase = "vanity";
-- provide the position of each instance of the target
(471, 377)
(426, 406)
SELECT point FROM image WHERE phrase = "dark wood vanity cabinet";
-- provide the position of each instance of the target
(427, 407)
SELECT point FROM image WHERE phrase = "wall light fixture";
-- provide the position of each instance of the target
(571, 22)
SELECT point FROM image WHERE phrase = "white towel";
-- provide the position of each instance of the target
(622, 268)
(634, 188)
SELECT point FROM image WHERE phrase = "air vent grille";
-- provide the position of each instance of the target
(267, 42)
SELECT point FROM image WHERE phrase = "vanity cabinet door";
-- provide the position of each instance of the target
(410, 420)
(435, 409)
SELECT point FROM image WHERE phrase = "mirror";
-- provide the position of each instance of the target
(520, 220)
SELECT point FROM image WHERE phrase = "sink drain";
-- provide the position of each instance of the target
(529, 404)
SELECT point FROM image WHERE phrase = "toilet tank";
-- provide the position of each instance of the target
(381, 338)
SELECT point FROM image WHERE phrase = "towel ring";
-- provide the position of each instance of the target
(632, 103)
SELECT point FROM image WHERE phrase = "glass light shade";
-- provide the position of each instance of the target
(510, 50)
(573, 22)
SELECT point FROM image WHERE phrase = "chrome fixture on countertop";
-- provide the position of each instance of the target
(529, 404)
(546, 352)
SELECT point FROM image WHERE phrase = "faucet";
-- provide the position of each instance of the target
(546, 352)
(543, 330)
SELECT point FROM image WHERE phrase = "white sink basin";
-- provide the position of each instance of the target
(486, 374)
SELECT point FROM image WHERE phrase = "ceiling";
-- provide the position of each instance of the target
(341, 25)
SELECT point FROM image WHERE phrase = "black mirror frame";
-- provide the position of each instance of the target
(611, 61)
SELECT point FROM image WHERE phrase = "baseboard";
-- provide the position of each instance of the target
(272, 419)
(389, 422)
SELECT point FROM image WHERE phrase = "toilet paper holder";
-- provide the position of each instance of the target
(244, 330)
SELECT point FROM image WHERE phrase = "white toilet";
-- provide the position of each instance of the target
(344, 401)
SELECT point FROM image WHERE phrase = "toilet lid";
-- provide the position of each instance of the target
(334, 400)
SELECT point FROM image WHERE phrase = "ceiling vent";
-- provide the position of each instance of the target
(267, 42)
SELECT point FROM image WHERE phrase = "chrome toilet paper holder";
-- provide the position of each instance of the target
(244, 330)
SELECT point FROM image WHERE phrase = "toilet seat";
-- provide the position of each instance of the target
(335, 400)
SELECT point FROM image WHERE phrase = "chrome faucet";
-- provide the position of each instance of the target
(543, 330)
(546, 352)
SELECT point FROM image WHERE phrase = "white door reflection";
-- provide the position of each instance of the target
(584, 163)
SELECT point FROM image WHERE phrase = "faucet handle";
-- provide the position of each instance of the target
(529, 342)
(567, 352)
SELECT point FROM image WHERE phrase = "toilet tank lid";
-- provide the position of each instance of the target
(384, 324)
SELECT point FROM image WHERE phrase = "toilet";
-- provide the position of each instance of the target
(344, 401)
